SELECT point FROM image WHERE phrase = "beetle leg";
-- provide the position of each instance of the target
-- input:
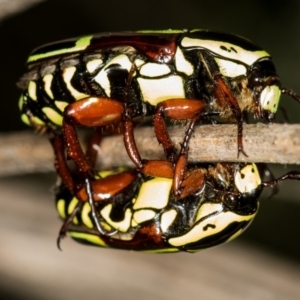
(88, 112)
(91, 153)
(129, 142)
(77, 189)
(180, 167)
(222, 92)
(65, 226)
(156, 168)
(193, 183)
(176, 109)
(60, 163)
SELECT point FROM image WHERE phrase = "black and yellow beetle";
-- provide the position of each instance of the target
(112, 78)
(138, 212)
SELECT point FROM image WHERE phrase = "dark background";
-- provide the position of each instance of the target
(275, 25)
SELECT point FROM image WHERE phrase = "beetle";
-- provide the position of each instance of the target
(112, 78)
(140, 212)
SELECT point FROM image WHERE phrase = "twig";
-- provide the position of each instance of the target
(9, 7)
(26, 152)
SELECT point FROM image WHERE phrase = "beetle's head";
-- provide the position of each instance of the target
(247, 185)
(264, 82)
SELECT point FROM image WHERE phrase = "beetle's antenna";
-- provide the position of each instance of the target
(293, 175)
(290, 93)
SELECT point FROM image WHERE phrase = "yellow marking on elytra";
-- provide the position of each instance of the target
(163, 31)
(52, 115)
(94, 64)
(183, 65)
(80, 45)
(47, 85)
(85, 215)
(32, 90)
(60, 207)
(105, 226)
(143, 215)
(102, 79)
(247, 179)
(93, 239)
(230, 68)
(134, 223)
(167, 218)
(163, 250)
(208, 209)
(21, 101)
(106, 173)
(67, 75)
(158, 90)
(243, 229)
(71, 208)
(123, 225)
(208, 227)
(139, 62)
(25, 119)
(154, 70)
(218, 47)
(61, 105)
(154, 194)
(239, 232)
(32, 120)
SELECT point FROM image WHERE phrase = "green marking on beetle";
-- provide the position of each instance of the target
(164, 31)
(164, 250)
(93, 239)
(80, 45)
(60, 207)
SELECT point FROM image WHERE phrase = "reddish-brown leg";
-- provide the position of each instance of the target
(223, 93)
(92, 152)
(60, 163)
(91, 190)
(67, 222)
(192, 183)
(88, 112)
(180, 167)
(176, 109)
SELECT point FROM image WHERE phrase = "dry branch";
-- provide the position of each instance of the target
(26, 152)
(9, 7)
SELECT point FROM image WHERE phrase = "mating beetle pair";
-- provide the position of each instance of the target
(196, 75)
(107, 79)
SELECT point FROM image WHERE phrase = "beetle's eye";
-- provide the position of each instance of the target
(255, 78)
(262, 73)
(230, 200)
